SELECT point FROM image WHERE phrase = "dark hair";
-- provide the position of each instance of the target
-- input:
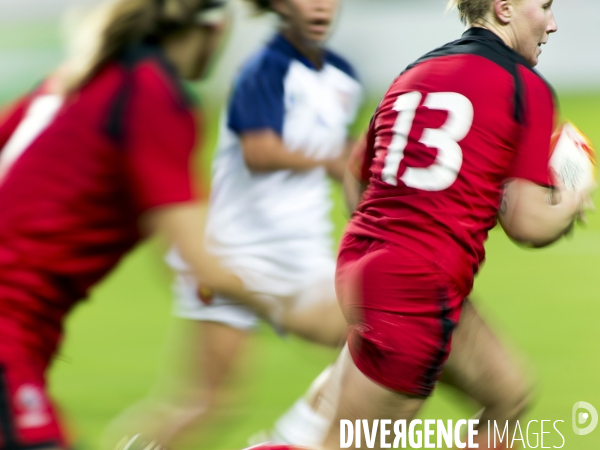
(261, 6)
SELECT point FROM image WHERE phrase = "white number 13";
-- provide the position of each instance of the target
(443, 172)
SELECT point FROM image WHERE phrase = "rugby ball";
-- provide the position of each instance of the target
(573, 157)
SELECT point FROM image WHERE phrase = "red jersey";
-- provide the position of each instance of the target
(447, 134)
(75, 176)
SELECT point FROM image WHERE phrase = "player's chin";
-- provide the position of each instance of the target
(535, 58)
(318, 38)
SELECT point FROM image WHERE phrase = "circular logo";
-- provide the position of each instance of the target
(30, 398)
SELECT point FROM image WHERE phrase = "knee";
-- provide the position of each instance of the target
(520, 401)
(513, 400)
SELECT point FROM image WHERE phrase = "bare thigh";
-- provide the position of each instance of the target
(484, 369)
(351, 395)
(317, 316)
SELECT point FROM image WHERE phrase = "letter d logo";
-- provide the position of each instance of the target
(582, 417)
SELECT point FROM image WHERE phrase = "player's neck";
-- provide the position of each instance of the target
(501, 31)
(311, 50)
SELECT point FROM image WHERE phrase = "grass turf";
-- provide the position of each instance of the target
(545, 302)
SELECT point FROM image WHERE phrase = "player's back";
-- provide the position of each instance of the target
(442, 142)
(72, 192)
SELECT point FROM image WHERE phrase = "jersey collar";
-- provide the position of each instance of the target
(484, 34)
(280, 44)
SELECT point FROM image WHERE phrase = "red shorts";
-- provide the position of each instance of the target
(27, 417)
(401, 309)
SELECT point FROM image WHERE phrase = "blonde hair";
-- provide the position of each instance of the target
(118, 24)
(471, 11)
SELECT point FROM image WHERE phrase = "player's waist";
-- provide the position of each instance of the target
(294, 233)
(274, 256)
(31, 321)
(456, 258)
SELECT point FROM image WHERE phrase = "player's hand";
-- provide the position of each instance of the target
(578, 201)
(336, 167)
(205, 293)
(560, 195)
(587, 204)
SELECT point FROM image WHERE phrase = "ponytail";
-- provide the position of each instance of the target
(471, 11)
(119, 24)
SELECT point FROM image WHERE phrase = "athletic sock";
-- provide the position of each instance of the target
(300, 425)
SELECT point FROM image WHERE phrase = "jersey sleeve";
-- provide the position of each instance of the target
(10, 118)
(160, 139)
(257, 99)
(533, 148)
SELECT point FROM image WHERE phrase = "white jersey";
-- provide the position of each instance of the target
(281, 214)
(273, 229)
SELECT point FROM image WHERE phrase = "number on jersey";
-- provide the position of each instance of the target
(443, 172)
(39, 116)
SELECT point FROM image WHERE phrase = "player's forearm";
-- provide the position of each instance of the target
(183, 226)
(272, 159)
(264, 151)
(353, 190)
(337, 167)
(536, 215)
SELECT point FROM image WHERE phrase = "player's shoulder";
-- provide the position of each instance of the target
(533, 79)
(152, 75)
(270, 64)
(477, 42)
(340, 63)
(149, 89)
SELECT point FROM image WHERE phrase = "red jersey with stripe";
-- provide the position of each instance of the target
(76, 175)
(448, 133)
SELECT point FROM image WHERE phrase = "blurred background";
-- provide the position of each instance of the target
(545, 302)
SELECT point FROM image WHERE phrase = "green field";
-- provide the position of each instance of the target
(545, 302)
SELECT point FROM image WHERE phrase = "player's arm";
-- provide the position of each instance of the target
(353, 190)
(337, 168)
(182, 225)
(265, 151)
(536, 215)
(256, 113)
(536, 209)
(358, 169)
(353, 185)
(161, 137)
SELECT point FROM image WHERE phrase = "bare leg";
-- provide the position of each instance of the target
(361, 399)
(481, 367)
(316, 316)
(202, 357)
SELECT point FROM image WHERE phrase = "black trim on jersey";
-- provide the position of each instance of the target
(7, 435)
(436, 366)
(42, 446)
(482, 42)
(115, 122)
(129, 59)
